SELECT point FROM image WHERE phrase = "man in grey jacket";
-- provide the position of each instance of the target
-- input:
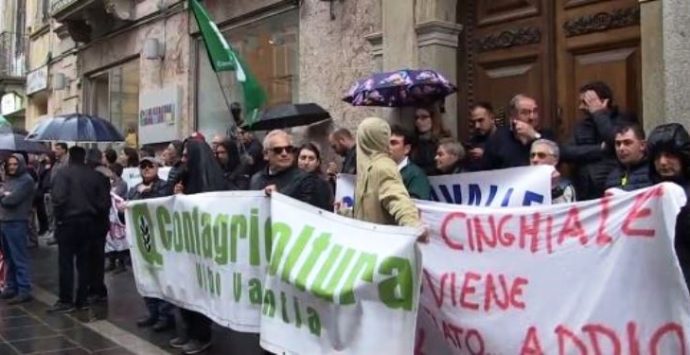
(16, 198)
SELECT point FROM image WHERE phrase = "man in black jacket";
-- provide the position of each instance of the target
(591, 149)
(669, 152)
(632, 172)
(343, 143)
(510, 146)
(81, 201)
(282, 174)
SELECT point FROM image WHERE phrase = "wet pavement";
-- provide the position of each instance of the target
(108, 329)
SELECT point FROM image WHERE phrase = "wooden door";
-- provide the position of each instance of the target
(547, 49)
(597, 40)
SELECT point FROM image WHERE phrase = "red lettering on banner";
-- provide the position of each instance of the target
(490, 238)
(438, 297)
(667, 329)
(594, 329)
(444, 230)
(516, 292)
(505, 237)
(564, 333)
(530, 230)
(638, 211)
(549, 234)
(452, 290)
(474, 334)
(633, 341)
(468, 290)
(573, 227)
(419, 342)
(531, 345)
(602, 237)
(452, 333)
(492, 294)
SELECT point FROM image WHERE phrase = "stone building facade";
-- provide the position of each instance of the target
(147, 54)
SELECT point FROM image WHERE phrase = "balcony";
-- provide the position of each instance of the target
(86, 20)
(12, 61)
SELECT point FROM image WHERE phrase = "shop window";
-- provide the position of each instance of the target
(114, 95)
(270, 49)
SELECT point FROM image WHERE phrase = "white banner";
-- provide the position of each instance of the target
(203, 254)
(338, 286)
(597, 277)
(132, 176)
(523, 186)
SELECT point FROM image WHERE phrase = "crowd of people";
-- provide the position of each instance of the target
(78, 194)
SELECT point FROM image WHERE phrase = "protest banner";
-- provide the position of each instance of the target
(523, 186)
(132, 176)
(331, 282)
(336, 285)
(207, 253)
(596, 277)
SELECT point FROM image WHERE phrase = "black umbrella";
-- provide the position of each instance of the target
(14, 142)
(288, 115)
(75, 127)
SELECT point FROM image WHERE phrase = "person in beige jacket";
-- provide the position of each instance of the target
(380, 195)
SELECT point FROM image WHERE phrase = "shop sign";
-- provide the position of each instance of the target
(159, 115)
(10, 103)
(37, 80)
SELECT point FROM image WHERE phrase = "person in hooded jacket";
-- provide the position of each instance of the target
(669, 150)
(380, 195)
(201, 173)
(236, 172)
(16, 197)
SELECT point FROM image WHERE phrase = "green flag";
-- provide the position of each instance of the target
(224, 58)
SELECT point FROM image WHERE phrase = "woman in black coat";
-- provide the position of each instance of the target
(309, 160)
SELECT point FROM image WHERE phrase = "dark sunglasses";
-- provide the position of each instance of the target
(279, 150)
(540, 155)
(146, 166)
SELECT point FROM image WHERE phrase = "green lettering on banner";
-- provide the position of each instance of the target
(402, 279)
(144, 231)
(336, 276)
(269, 308)
(237, 286)
(206, 238)
(296, 251)
(314, 321)
(220, 239)
(178, 232)
(365, 265)
(188, 233)
(163, 219)
(318, 247)
(281, 234)
(255, 291)
(196, 237)
(238, 229)
(268, 237)
(298, 314)
(254, 252)
(283, 307)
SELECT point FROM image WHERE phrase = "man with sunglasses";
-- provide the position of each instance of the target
(281, 173)
(546, 152)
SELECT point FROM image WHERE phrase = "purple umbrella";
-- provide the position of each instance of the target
(400, 88)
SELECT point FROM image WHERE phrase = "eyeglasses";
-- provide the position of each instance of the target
(146, 166)
(541, 155)
(279, 150)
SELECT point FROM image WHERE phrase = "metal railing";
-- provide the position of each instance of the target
(12, 55)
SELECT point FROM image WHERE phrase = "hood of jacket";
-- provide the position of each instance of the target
(21, 168)
(373, 137)
(669, 138)
(202, 172)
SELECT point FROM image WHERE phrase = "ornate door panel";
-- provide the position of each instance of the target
(597, 40)
(547, 49)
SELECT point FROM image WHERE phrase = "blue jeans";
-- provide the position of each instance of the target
(14, 237)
